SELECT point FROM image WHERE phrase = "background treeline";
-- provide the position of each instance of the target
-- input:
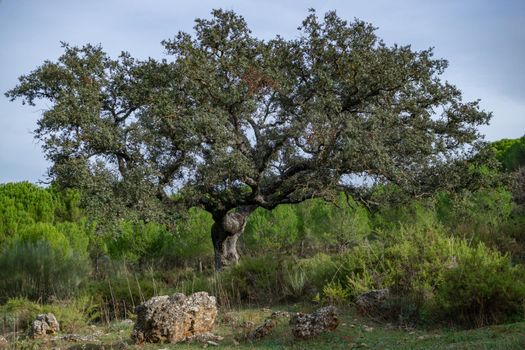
(454, 258)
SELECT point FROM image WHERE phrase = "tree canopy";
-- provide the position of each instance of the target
(229, 121)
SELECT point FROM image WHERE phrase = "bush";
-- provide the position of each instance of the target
(254, 280)
(17, 314)
(39, 271)
(484, 288)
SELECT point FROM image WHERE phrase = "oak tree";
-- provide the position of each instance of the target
(229, 122)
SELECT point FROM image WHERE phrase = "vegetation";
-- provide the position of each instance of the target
(323, 152)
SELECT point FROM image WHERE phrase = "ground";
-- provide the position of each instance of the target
(354, 332)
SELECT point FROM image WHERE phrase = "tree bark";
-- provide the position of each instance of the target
(225, 233)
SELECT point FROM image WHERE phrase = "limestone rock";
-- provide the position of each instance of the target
(43, 325)
(174, 318)
(3, 342)
(306, 326)
(204, 338)
(372, 302)
(268, 325)
(263, 329)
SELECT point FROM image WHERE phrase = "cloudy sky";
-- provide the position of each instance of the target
(484, 41)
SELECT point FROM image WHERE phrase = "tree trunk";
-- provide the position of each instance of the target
(225, 232)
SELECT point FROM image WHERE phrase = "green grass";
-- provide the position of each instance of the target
(354, 332)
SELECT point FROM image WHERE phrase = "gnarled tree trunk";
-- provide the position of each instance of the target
(225, 232)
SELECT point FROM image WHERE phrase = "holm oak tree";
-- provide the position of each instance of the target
(229, 122)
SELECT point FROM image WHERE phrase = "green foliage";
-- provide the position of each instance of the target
(257, 279)
(256, 123)
(275, 229)
(143, 243)
(483, 288)
(193, 236)
(16, 314)
(21, 204)
(510, 152)
(308, 226)
(118, 293)
(335, 294)
(39, 270)
(140, 242)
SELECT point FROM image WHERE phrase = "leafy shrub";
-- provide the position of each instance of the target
(335, 294)
(142, 243)
(320, 269)
(484, 288)
(254, 279)
(17, 314)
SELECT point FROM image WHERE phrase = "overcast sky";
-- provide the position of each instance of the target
(484, 42)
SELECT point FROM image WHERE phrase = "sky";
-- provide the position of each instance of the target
(483, 40)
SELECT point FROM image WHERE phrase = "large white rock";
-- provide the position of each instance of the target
(172, 319)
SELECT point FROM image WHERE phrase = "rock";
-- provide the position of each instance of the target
(79, 338)
(174, 318)
(372, 302)
(279, 314)
(267, 326)
(3, 342)
(306, 326)
(43, 325)
(263, 330)
(203, 338)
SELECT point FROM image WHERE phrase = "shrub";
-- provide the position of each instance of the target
(17, 314)
(254, 279)
(484, 288)
(39, 270)
(335, 294)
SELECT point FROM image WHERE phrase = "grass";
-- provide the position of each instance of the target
(354, 332)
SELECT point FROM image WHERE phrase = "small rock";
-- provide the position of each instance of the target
(3, 341)
(212, 343)
(372, 302)
(204, 338)
(263, 330)
(78, 338)
(43, 325)
(280, 314)
(368, 329)
(306, 326)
